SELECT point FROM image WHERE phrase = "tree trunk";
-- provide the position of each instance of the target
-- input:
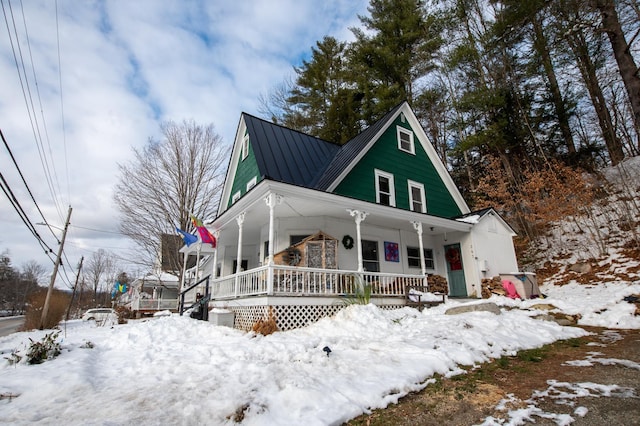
(588, 71)
(562, 115)
(626, 65)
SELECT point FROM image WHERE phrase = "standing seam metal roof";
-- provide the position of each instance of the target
(289, 156)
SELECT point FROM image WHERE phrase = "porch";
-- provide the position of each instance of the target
(297, 296)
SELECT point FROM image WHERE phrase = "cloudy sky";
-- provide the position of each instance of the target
(85, 81)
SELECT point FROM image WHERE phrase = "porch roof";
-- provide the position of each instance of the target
(303, 202)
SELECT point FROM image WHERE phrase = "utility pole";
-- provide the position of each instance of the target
(45, 308)
(75, 286)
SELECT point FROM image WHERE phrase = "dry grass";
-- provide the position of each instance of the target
(57, 309)
(266, 326)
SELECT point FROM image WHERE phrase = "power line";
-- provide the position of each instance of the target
(23, 215)
(24, 181)
(32, 117)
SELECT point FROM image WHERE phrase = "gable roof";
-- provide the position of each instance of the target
(287, 155)
(350, 150)
(478, 215)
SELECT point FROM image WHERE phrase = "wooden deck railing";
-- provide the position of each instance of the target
(289, 281)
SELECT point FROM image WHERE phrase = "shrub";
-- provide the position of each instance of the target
(58, 304)
(46, 349)
(361, 295)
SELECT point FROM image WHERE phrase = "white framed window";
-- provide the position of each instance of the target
(413, 257)
(385, 189)
(252, 183)
(235, 197)
(417, 199)
(405, 140)
(245, 146)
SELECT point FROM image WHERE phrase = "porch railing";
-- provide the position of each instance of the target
(288, 280)
(156, 304)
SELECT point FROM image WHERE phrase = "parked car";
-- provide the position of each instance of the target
(99, 314)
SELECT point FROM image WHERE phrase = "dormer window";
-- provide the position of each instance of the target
(405, 140)
(385, 190)
(245, 146)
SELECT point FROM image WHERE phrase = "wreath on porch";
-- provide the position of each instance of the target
(347, 242)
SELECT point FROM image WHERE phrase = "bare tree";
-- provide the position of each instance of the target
(99, 267)
(166, 182)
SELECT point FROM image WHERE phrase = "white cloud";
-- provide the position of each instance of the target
(125, 67)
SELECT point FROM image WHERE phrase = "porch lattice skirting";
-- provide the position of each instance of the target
(287, 317)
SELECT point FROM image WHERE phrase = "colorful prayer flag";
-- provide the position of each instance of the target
(187, 237)
(205, 236)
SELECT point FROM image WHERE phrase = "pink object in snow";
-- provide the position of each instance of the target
(510, 289)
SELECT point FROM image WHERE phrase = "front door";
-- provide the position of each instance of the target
(455, 271)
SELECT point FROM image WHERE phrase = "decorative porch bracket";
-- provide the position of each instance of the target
(240, 220)
(359, 216)
(423, 265)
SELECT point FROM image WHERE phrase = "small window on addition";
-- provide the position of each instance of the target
(405, 140)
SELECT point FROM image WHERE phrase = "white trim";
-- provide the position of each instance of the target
(413, 184)
(233, 166)
(392, 190)
(403, 131)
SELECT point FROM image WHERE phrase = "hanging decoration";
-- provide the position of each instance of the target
(347, 242)
(205, 236)
(391, 252)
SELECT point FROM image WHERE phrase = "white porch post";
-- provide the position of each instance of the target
(198, 262)
(418, 227)
(214, 273)
(240, 220)
(359, 216)
(272, 201)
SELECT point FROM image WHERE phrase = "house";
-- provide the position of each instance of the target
(303, 222)
(153, 293)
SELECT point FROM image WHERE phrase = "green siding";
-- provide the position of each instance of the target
(247, 169)
(385, 156)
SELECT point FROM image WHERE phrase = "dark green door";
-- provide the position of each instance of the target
(455, 271)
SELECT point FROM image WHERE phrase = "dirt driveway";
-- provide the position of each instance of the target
(593, 380)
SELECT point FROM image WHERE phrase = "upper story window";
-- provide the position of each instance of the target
(252, 183)
(245, 146)
(405, 140)
(385, 190)
(417, 199)
(235, 197)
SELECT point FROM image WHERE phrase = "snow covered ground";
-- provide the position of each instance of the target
(175, 370)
